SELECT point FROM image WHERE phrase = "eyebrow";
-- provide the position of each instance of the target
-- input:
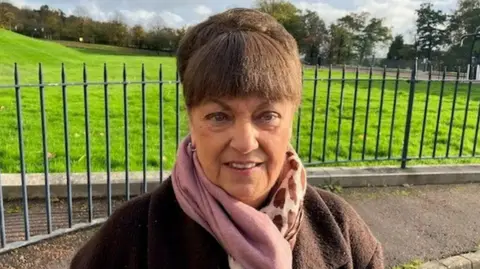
(221, 103)
(227, 107)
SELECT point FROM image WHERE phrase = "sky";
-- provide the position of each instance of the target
(398, 14)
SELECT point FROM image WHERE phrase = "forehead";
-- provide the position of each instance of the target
(241, 103)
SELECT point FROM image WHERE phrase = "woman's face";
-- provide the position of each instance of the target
(241, 144)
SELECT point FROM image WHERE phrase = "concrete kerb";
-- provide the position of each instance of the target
(345, 177)
(394, 176)
(463, 261)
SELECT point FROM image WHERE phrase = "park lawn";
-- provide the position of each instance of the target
(28, 53)
(386, 147)
(107, 49)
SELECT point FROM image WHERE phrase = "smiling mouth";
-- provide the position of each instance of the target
(243, 166)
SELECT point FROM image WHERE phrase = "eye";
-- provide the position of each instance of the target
(269, 117)
(217, 117)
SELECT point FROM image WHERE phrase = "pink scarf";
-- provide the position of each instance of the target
(253, 239)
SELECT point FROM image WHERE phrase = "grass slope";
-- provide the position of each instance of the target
(29, 52)
(107, 49)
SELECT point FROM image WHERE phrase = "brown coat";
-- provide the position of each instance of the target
(152, 232)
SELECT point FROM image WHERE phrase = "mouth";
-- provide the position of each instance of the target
(242, 166)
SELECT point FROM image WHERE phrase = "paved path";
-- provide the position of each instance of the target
(424, 222)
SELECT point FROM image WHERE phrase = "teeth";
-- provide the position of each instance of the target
(242, 165)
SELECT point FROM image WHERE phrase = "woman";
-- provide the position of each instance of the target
(237, 196)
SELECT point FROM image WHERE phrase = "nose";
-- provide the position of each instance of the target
(244, 137)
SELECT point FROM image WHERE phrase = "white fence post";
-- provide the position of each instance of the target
(467, 77)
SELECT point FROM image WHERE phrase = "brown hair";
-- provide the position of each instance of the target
(238, 53)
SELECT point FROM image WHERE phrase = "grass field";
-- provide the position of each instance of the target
(27, 53)
(108, 49)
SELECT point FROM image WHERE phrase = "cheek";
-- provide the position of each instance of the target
(282, 135)
(199, 132)
(208, 159)
(275, 146)
(209, 146)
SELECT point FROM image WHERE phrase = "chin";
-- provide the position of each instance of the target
(246, 193)
(247, 188)
(243, 192)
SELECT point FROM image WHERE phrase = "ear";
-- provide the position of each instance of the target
(192, 138)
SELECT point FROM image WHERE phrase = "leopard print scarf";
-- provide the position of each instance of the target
(252, 238)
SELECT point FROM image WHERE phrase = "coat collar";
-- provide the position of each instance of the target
(320, 242)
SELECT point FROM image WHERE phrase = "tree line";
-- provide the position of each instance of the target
(353, 39)
(442, 39)
(54, 24)
(439, 40)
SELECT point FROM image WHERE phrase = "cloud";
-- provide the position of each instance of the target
(24, 3)
(141, 17)
(171, 18)
(203, 10)
(444, 3)
(325, 11)
(150, 18)
(398, 14)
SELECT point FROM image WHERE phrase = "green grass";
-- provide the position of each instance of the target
(29, 52)
(411, 265)
(106, 49)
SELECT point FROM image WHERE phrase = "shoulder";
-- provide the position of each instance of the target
(337, 206)
(122, 238)
(320, 200)
(330, 209)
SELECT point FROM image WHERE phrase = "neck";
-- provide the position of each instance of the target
(256, 203)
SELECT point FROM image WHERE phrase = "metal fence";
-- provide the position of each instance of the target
(346, 118)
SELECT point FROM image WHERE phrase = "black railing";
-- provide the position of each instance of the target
(346, 118)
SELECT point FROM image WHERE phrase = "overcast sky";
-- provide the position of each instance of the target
(399, 14)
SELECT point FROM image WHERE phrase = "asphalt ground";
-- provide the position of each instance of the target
(422, 222)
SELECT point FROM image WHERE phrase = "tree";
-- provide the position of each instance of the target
(178, 35)
(81, 12)
(164, 39)
(373, 33)
(430, 29)
(138, 36)
(356, 35)
(116, 32)
(53, 24)
(464, 20)
(396, 49)
(286, 14)
(315, 36)
(7, 17)
(340, 44)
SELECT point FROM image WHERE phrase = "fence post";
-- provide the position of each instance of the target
(468, 72)
(411, 97)
(416, 65)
